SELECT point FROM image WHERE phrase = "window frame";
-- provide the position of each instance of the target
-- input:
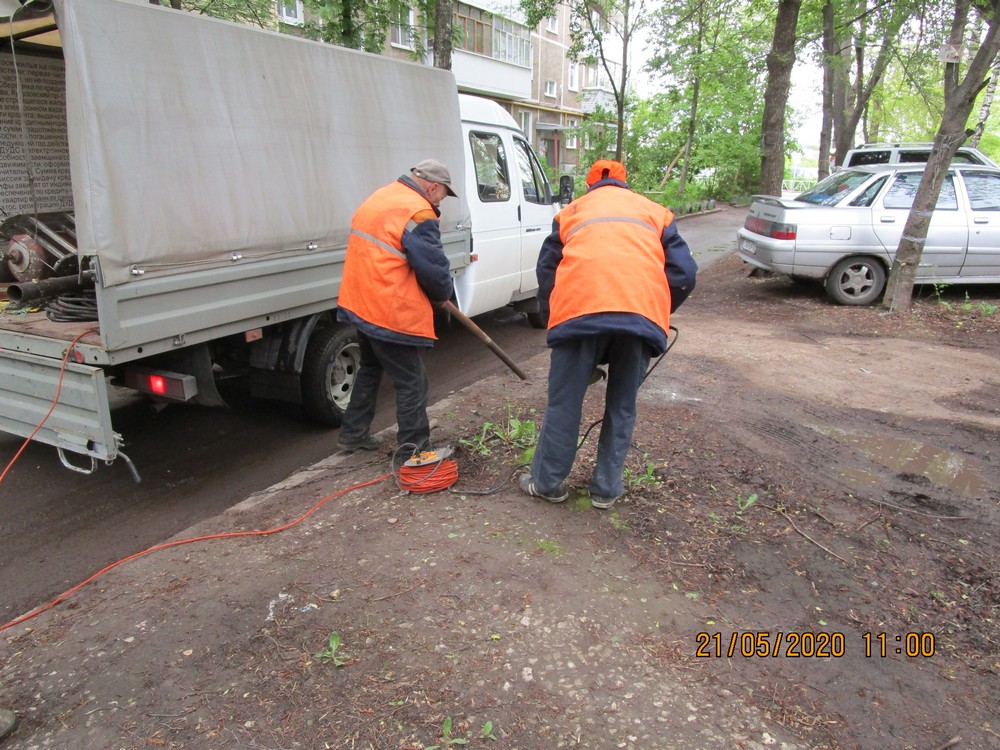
(298, 19)
(408, 28)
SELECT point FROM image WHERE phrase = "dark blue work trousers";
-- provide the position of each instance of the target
(572, 363)
(405, 368)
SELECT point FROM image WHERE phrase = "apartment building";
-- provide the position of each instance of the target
(526, 70)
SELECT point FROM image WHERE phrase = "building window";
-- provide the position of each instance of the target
(552, 24)
(475, 26)
(290, 11)
(402, 31)
(574, 77)
(571, 133)
(526, 122)
(511, 42)
(550, 88)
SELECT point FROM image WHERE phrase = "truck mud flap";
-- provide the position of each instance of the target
(79, 423)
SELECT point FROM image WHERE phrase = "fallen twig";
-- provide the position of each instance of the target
(806, 536)
(398, 593)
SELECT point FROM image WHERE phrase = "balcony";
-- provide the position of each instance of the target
(478, 74)
(593, 98)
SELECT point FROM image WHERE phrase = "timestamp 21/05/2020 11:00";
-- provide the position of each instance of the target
(807, 644)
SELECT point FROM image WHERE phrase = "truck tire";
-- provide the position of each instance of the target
(329, 370)
(856, 281)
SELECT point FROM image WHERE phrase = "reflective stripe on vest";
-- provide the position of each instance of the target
(379, 285)
(613, 259)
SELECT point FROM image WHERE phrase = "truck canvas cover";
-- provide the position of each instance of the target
(197, 143)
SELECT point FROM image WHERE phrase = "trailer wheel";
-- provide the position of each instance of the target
(329, 370)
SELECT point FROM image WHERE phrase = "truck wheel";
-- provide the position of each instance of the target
(856, 281)
(329, 370)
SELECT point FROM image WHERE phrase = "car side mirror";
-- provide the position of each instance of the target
(565, 189)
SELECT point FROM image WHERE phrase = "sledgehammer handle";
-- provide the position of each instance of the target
(481, 335)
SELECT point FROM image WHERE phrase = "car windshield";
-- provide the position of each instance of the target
(833, 189)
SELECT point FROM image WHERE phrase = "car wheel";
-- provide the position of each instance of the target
(856, 281)
(330, 368)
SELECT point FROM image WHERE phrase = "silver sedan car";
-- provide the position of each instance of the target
(845, 230)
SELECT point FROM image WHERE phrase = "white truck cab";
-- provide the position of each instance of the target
(511, 204)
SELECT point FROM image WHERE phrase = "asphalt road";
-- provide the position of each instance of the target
(57, 527)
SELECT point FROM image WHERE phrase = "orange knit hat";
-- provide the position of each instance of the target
(606, 168)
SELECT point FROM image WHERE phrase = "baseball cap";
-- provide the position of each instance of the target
(434, 170)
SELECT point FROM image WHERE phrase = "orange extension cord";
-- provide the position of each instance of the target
(179, 542)
(431, 477)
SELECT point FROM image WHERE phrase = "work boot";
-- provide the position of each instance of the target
(7, 722)
(367, 443)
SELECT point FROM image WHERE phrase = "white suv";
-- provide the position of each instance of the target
(908, 153)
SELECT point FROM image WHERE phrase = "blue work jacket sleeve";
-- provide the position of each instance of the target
(425, 254)
(549, 258)
(680, 266)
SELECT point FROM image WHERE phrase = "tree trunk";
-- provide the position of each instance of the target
(826, 126)
(984, 108)
(959, 99)
(443, 24)
(780, 60)
(623, 81)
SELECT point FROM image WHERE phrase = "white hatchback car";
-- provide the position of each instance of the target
(845, 230)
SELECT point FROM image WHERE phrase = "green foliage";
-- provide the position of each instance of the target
(253, 12)
(643, 476)
(359, 24)
(743, 504)
(512, 431)
(446, 739)
(710, 60)
(329, 654)
(486, 732)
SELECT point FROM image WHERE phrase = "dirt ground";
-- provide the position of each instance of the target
(808, 557)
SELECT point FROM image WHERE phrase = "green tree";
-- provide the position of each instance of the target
(600, 30)
(709, 58)
(960, 94)
(358, 24)
(255, 12)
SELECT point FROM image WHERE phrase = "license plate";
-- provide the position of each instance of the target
(748, 247)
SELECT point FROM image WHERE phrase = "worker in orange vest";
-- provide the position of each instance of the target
(394, 273)
(609, 275)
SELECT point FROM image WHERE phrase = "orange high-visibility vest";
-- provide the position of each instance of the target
(612, 260)
(379, 285)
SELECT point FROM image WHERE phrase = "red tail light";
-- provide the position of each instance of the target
(172, 386)
(769, 228)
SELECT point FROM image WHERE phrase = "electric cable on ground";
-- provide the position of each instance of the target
(426, 471)
(167, 545)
